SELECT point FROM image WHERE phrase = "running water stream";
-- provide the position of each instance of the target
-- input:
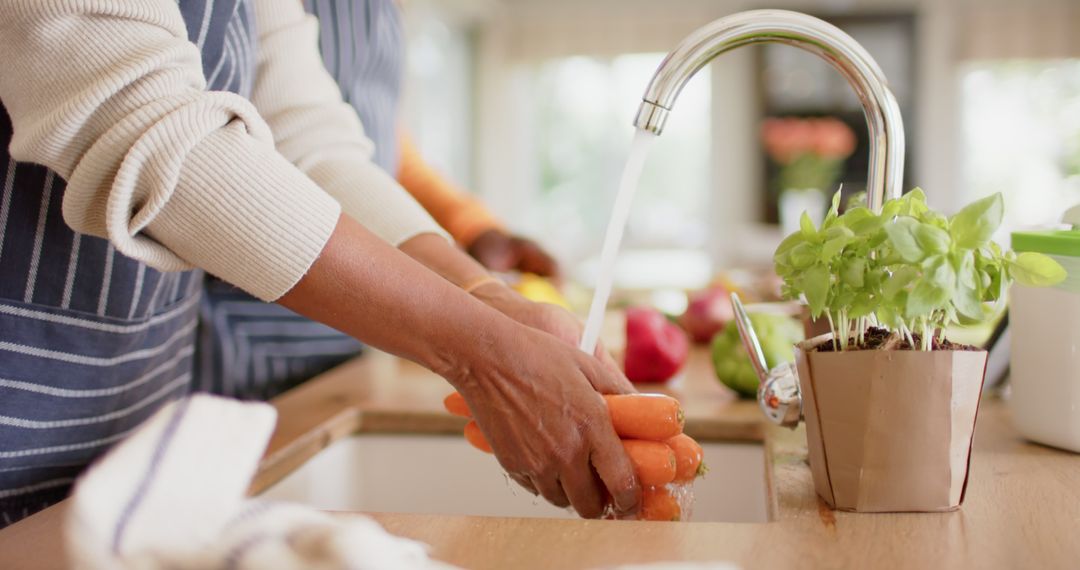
(635, 161)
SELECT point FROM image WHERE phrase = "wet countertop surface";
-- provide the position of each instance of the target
(1022, 507)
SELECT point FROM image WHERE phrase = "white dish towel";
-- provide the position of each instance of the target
(172, 495)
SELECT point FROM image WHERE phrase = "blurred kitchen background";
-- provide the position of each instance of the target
(528, 103)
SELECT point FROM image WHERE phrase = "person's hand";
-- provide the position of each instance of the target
(552, 319)
(535, 397)
(537, 401)
(440, 256)
(499, 251)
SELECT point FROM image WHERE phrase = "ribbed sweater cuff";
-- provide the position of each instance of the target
(243, 213)
(370, 196)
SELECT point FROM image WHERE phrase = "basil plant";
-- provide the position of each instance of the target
(908, 269)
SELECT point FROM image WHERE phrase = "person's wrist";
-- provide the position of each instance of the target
(474, 356)
(501, 297)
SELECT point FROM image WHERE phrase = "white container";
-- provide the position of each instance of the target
(1045, 346)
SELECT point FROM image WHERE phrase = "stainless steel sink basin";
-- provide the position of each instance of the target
(436, 474)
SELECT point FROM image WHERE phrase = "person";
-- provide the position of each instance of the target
(363, 47)
(248, 349)
(147, 143)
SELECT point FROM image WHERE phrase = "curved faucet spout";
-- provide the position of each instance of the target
(811, 34)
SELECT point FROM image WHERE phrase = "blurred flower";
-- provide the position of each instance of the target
(810, 151)
(833, 139)
(788, 137)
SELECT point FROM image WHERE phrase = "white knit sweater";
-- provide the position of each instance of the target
(110, 94)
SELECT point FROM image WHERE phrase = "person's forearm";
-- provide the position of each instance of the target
(457, 267)
(442, 257)
(360, 283)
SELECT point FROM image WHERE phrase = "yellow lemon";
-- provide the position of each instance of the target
(539, 289)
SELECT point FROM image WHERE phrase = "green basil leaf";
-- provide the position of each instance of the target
(872, 277)
(834, 210)
(853, 271)
(934, 290)
(997, 287)
(861, 306)
(967, 302)
(815, 285)
(1036, 270)
(950, 316)
(836, 239)
(862, 221)
(966, 274)
(902, 238)
(899, 280)
(806, 226)
(973, 226)
(887, 316)
(935, 219)
(804, 255)
(924, 299)
(832, 247)
(837, 232)
(913, 203)
(938, 271)
(932, 240)
(891, 209)
(786, 246)
(842, 299)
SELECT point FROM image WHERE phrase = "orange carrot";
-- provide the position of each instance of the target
(476, 437)
(688, 456)
(653, 417)
(645, 416)
(659, 504)
(654, 462)
(455, 404)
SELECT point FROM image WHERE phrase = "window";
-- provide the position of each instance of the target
(1021, 137)
(583, 109)
(438, 90)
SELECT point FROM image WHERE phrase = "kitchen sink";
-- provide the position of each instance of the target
(437, 474)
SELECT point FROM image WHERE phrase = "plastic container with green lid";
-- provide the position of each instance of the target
(1050, 242)
(1045, 342)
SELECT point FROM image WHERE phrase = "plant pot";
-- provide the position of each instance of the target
(890, 430)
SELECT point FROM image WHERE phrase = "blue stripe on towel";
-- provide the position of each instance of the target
(162, 447)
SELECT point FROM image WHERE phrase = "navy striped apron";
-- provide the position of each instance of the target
(91, 342)
(253, 350)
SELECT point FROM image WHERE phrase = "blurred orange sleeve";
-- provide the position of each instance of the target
(463, 216)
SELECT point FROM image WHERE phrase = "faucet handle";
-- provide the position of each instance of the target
(779, 396)
(749, 338)
(778, 393)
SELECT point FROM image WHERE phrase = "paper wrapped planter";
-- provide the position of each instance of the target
(890, 430)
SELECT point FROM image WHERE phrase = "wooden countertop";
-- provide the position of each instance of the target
(1022, 508)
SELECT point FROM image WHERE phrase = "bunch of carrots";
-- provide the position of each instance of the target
(651, 427)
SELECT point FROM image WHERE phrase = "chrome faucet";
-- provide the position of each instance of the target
(813, 35)
(779, 395)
